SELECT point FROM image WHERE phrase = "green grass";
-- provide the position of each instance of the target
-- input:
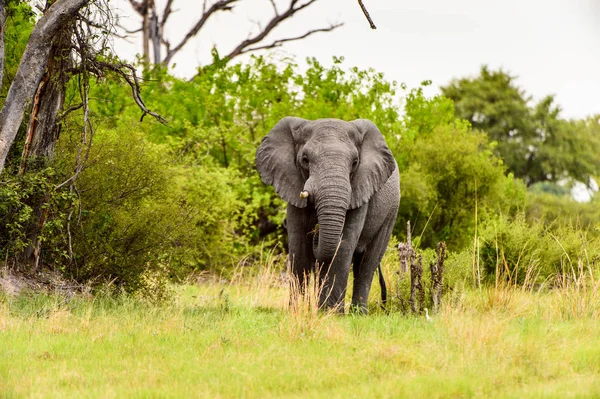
(241, 340)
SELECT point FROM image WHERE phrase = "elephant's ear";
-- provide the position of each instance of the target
(376, 163)
(276, 160)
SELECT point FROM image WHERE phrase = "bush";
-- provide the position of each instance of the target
(32, 211)
(530, 253)
(141, 215)
(450, 171)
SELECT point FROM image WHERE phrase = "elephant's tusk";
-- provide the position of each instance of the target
(304, 194)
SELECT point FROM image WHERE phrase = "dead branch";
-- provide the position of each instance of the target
(294, 7)
(221, 5)
(139, 6)
(274, 7)
(154, 21)
(166, 13)
(133, 81)
(408, 256)
(67, 111)
(417, 293)
(437, 272)
(364, 10)
(279, 43)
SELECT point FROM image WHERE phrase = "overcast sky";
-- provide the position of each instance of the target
(553, 46)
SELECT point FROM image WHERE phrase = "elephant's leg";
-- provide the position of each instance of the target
(356, 262)
(368, 263)
(334, 279)
(300, 223)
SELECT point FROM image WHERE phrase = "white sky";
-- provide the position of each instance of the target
(553, 46)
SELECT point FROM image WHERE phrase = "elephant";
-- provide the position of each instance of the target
(342, 188)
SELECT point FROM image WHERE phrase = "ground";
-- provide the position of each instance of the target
(223, 339)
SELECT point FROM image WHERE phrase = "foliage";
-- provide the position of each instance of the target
(534, 142)
(158, 201)
(19, 24)
(524, 252)
(141, 213)
(550, 208)
(448, 170)
(227, 109)
(26, 199)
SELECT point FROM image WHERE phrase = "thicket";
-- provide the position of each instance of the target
(155, 202)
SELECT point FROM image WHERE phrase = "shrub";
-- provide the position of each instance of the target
(142, 216)
(32, 210)
(525, 252)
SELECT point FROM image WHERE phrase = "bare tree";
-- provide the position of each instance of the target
(31, 70)
(154, 22)
(68, 40)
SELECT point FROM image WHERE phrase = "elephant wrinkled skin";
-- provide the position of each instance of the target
(342, 176)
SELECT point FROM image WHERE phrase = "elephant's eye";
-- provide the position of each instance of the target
(305, 161)
(354, 164)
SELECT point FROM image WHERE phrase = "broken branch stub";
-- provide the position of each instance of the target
(437, 273)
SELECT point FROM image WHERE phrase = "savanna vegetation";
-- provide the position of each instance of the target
(180, 248)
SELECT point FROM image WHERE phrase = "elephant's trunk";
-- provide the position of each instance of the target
(333, 198)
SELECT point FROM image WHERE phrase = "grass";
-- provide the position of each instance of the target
(239, 339)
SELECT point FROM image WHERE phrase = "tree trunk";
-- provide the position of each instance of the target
(31, 70)
(44, 127)
(2, 27)
(155, 37)
(146, 32)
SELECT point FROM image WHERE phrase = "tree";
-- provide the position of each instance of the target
(533, 141)
(69, 39)
(154, 21)
(31, 70)
(2, 28)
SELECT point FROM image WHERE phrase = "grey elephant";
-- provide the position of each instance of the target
(342, 187)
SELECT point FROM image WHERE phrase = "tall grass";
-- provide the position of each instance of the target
(242, 336)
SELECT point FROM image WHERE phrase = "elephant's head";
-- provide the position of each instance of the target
(332, 164)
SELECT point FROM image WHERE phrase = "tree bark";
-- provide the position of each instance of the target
(146, 32)
(417, 293)
(31, 70)
(44, 127)
(155, 36)
(2, 27)
(437, 275)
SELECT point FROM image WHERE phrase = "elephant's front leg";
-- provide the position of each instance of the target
(300, 224)
(334, 279)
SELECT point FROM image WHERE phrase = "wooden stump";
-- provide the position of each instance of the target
(437, 272)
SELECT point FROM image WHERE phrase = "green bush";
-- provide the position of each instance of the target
(525, 252)
(143, 214)
(32, 211)
(447, 171)
(551, 208)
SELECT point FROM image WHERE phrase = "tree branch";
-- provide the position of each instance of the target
(274, 7)
(364, 10)
(134, 83)
(166, 13)
(293, 8)
(140, 7)
(279, 43)
(221, 5)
